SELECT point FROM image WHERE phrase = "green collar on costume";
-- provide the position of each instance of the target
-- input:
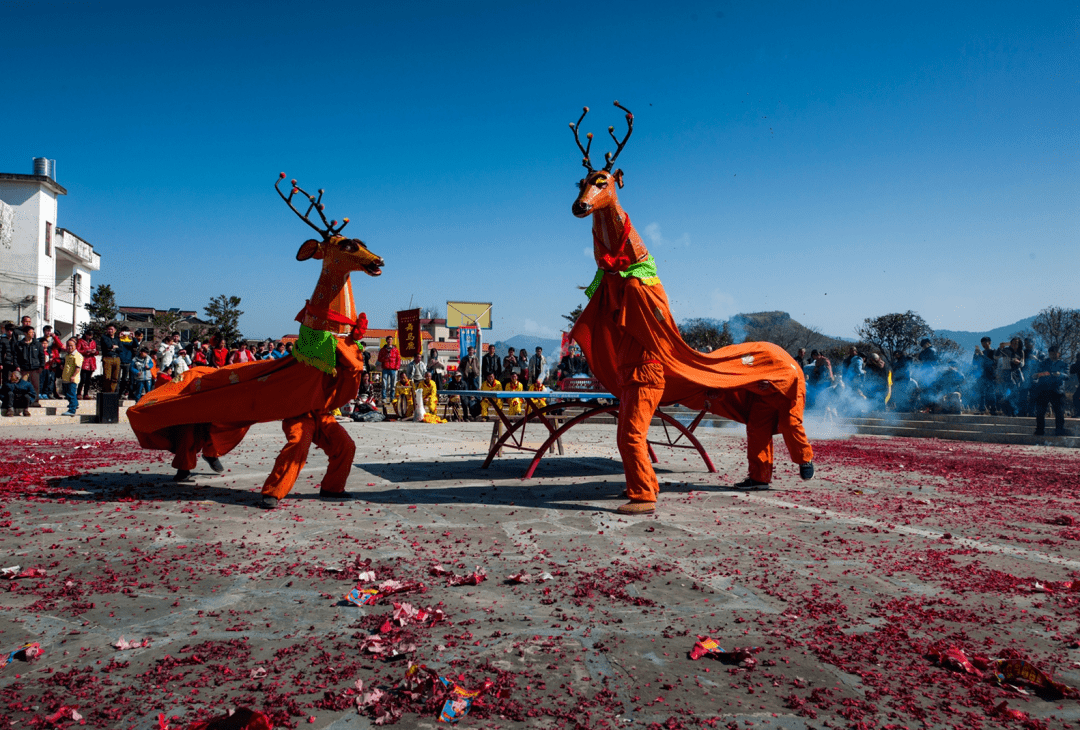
(317, 348)
(644, 270)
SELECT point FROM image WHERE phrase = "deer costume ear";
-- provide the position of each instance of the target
(618, 177)
(308, 249)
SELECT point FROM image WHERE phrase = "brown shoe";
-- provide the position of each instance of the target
(637, 508)
(26, 412)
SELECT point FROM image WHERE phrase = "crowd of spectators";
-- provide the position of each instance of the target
(1011, 379)
(119, 360)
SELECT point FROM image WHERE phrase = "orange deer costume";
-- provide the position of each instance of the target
(634, 348)
(211, 410)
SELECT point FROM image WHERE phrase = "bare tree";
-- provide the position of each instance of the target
(164, 323)
(895, 333)
(702, 333)
(948, 349)
(1059, 327)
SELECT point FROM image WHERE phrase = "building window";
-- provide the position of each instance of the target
(48, 239)
(48, 305)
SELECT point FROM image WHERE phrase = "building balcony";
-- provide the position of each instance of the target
(76, 249)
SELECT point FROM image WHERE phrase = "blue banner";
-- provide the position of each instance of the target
(467, 337)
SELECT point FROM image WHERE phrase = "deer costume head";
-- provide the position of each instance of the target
(331, 307)
(616, 245)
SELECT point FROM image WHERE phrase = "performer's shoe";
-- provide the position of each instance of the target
(214, 462)
(335, 496)
(806, 471)
(1063, 432)
(637, 508)
(268, 502)
(752, 484)
(183, 475)
(9, 412)
(1040, 433)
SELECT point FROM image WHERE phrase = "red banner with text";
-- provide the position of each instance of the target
(408, 327)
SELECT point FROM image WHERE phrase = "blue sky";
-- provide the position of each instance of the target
(834, 160)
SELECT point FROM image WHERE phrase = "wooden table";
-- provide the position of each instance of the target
(509, 431)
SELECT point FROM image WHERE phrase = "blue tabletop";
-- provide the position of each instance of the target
(532, 394)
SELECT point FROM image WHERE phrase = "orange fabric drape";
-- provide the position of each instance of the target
(218, 405)
(627, 322)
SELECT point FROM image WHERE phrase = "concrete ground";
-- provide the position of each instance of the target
(838, 587)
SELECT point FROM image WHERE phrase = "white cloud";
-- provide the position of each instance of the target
(531, 327)
(587, 252)
(722, 304)
(656, 238)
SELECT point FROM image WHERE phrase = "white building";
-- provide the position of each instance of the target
(44, 270)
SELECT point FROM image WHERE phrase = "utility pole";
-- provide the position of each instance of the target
(74, 298)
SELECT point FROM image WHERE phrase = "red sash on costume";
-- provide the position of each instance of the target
(331, 316)
(619, 260)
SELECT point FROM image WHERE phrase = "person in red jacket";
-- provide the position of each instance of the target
(219, 352)
(390, 361)
(87, 347)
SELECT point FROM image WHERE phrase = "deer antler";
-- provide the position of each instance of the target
(332, 228)
(585, 162)
(611, 130)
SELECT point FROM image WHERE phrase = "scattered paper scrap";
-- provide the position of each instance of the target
(362, 596)
(123, 644)
(1024, 672)
(953, 657)
(474, 578)
(64, 713)
(239, 719)
(26, 653)
(707, 646)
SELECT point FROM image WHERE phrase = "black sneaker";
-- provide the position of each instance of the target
(1063, 432)
(215, 463)
(752, 484)
(182, 475)
(335, 496)
(268, 502)
(806, 471)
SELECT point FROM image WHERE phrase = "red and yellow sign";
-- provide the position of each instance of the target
(408, 325)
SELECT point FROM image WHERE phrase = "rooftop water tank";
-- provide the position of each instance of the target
(45, 166)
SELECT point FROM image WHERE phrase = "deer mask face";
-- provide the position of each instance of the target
(338, 252)
(597, 190)
(335, 251)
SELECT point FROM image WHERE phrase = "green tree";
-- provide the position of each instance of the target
(102, 308)
(1059, 327)
(895, 333)
(572, 318)
(164, 323)
(702, 333)
(224, 314)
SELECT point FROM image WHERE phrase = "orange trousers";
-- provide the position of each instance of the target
(769, 414)
(190, 440)
(300, 432)
(642, 389)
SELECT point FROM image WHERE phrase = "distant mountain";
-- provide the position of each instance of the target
(779, 328)
(530, 343)
(776, 327)
(970, 340)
